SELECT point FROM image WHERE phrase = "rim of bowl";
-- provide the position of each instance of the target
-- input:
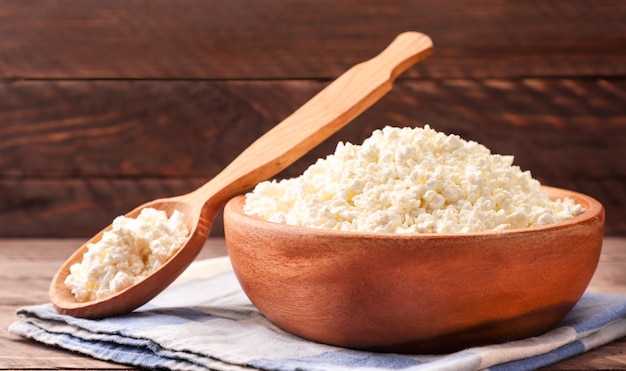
(594, 210)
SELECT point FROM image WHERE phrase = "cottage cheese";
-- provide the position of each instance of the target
(126, 254)
(410, 180)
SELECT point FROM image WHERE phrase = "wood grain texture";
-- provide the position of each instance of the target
(272, 39)
(106, 105)
(193, 128)
(75, 154)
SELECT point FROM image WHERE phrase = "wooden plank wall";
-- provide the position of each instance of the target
(107, 104)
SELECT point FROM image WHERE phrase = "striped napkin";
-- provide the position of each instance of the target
(205, 321)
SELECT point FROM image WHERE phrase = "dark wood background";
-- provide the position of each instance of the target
(107, 104)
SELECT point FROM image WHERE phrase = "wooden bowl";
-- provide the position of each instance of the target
(420, 293)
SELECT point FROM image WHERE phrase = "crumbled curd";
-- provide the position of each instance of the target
(126, 254)
(410, 180)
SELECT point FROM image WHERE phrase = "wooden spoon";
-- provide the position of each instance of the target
(328, 111)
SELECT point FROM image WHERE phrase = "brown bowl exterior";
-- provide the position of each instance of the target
(426, 293)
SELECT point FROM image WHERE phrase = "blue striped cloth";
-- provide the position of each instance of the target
(205, 321)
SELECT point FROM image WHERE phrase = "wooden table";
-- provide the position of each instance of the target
(27, 266)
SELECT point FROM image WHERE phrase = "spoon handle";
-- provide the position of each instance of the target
(324, 114)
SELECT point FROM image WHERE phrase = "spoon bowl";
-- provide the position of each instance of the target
(137, 295)
(324, 114)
